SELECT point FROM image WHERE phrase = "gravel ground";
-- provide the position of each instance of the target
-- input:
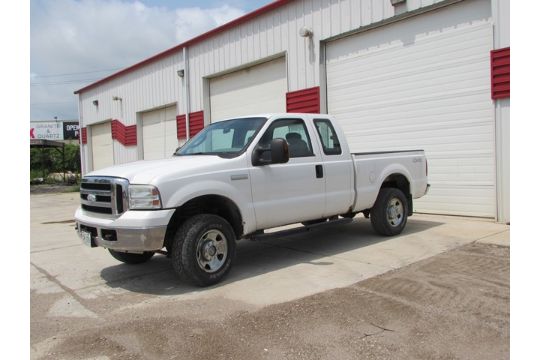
(48, 188)
(451, 306)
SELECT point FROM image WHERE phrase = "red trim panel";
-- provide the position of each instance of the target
(196, 122)
(304, 101)
(500, 73)
(242, 19)
(126, 135)
(83, 136)
(181, 127)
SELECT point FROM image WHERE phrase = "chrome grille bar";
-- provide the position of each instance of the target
(95, 188)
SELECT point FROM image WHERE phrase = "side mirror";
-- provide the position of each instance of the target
(279, 153)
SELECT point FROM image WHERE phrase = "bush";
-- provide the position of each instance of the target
(45, 161)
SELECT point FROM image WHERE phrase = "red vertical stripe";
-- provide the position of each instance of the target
(83, 136)
(181, 127)
(304, 101)
(500, 73)
(196, 122)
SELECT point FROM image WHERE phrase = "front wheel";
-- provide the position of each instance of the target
(203, 249)
(131, 258)
(389, 214)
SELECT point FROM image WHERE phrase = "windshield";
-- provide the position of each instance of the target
(224, 138)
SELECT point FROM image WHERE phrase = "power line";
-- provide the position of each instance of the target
(75, 73)
(66, 82)
(53, 102)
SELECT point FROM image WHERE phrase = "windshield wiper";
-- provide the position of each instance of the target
(200, 153)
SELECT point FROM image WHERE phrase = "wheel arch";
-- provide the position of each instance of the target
(206, 204)
(399, 181)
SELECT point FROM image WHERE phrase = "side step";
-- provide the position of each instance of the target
(260, 235)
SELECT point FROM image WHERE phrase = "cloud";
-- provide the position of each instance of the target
(73, 37)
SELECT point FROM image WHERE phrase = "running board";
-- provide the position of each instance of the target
(260, 235)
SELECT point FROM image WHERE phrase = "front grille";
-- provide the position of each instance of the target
(104, 195)
(97, 209)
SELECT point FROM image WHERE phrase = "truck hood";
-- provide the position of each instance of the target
(150, 171)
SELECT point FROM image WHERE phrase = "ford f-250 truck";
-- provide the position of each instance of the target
(234, 180)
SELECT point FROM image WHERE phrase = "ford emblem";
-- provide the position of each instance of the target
(92, 197)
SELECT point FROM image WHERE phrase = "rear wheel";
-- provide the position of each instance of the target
(389, 214)
(203, 249)
(131, 258)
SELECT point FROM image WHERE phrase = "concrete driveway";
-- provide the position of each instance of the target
(75, 288)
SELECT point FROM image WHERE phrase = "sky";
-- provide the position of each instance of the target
(74, 43)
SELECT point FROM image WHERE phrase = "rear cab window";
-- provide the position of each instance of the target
(327, 135)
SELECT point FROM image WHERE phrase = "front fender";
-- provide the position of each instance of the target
(192, 190)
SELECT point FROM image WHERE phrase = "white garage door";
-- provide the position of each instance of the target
(159, 133)
(102, 145)
(258, 89)
(424, 83)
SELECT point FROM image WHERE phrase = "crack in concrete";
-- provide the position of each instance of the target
(52, 249)
(62, 286)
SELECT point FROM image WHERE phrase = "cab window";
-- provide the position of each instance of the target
(294, 131)
(328, 136)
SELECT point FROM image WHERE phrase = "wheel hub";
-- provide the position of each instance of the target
(212, 251)
(394, 212)
(209, 250)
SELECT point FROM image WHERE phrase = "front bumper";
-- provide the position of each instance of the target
(134, 231)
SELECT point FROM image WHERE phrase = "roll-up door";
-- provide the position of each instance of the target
(102, 145)
(424, 83)
(258, 89)
(159, 133)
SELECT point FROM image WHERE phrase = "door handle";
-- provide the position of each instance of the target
(319, 171)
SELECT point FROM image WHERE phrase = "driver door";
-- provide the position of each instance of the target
(291, 192)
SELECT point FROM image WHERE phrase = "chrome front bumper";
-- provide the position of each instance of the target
(133, 231)
(135, 240)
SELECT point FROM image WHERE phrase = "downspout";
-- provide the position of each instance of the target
(186, 90)
(82, 160)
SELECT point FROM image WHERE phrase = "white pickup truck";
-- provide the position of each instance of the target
(238, 178)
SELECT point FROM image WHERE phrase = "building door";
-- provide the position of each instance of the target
(102, 145)
(159, 133)
(424, 83)
(258, 89)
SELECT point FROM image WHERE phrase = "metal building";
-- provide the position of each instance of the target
(397, 74)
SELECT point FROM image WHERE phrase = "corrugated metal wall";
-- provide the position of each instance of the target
(276, 32)
(152, 86)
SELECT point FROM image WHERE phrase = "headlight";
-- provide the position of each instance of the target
(144, 197)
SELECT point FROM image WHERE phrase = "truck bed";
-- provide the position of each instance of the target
(372, 168)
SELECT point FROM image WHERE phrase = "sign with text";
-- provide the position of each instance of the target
(46, 131)
(71, 130)
(68, 130)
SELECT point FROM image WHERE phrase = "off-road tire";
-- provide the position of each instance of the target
(131, 258)
(184, 249)
(379, 212)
